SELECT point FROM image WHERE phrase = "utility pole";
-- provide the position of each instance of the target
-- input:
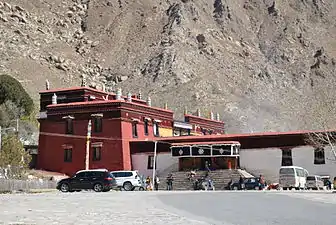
(154, 163)
(0, 138)
(87, 155)
(17, 128)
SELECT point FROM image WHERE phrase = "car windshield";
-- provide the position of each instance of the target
(310, 178)
(286, 171)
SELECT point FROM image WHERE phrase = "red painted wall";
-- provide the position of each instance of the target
(51, 150)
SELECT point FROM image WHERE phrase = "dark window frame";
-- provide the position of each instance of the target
(97, 124)
(287, 158)
(150, 162)
(69, 126)
(94, 151)
(146, 124)
(67, 155)
(156, 129)
(319, 156)
(135, 129)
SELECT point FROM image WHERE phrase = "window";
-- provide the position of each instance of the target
(156, 129)
(96, 174)
(96, 153)
(299, 172)
(146, 127)
(97, 124)
(287, 171)
(311, 178)
(319, 157)
(287, 157)
(117, 174)
(184, 132)
(128, 174)
(81, 174)
(150, 162)
(69, 126)
(68, 155)
(135, 129)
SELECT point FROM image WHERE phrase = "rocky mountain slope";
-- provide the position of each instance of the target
(259, 63)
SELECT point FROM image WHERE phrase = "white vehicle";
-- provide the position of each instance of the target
(292, 177)
(129, 180)
(315, 182)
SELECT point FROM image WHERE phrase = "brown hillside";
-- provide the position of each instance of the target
(256, 62)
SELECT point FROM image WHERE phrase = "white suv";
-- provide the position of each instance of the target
(128, 180)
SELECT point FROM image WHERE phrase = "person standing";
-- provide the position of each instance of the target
(241, 183)
(156, 183)
(148, 184)
(261, 182)
(170, 182)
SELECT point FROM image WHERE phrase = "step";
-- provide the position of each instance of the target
(220, 178)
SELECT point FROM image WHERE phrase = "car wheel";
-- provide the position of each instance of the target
(256, 188)
(65, 187)
(128, 186)
(235, 188)
(141, 189)
(98, 187)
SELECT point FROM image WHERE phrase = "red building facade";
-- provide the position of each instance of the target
(116, 122)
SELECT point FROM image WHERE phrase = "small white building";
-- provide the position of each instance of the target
(267, 161)
(256, 153)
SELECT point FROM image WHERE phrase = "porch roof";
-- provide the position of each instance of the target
(207, 143)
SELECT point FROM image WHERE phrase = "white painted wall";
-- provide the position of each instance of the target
(164, 161)
(304, 157)
(262, 161)
(268, 161)
(256, 161)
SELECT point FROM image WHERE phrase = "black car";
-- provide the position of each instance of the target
(249, 184)
(98, 180)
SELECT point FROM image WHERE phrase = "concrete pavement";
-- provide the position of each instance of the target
(226, 208)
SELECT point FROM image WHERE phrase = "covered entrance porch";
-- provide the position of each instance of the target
(214, 163)
(207, 156)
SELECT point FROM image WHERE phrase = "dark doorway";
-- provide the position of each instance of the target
(214, 163)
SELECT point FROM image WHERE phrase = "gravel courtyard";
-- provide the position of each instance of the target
(289, 208)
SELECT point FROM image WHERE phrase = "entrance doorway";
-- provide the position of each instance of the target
(215, 163)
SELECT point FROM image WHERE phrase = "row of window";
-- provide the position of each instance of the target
(287, 159)
(98, 127)
(96, 154)
(205, 131)
(155, 129)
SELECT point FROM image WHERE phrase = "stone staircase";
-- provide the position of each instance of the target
(220, 178)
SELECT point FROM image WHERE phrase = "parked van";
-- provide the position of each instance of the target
(292, 177)
(315, 182)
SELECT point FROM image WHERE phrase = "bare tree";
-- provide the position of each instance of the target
(320, 115)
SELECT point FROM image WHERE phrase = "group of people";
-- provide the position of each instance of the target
(169, 182)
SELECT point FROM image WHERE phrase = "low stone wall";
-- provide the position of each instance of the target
(10, 185)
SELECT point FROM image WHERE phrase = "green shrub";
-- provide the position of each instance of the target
(12, 153)
(12, 90)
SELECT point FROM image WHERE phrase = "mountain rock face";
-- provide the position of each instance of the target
(259, 63)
